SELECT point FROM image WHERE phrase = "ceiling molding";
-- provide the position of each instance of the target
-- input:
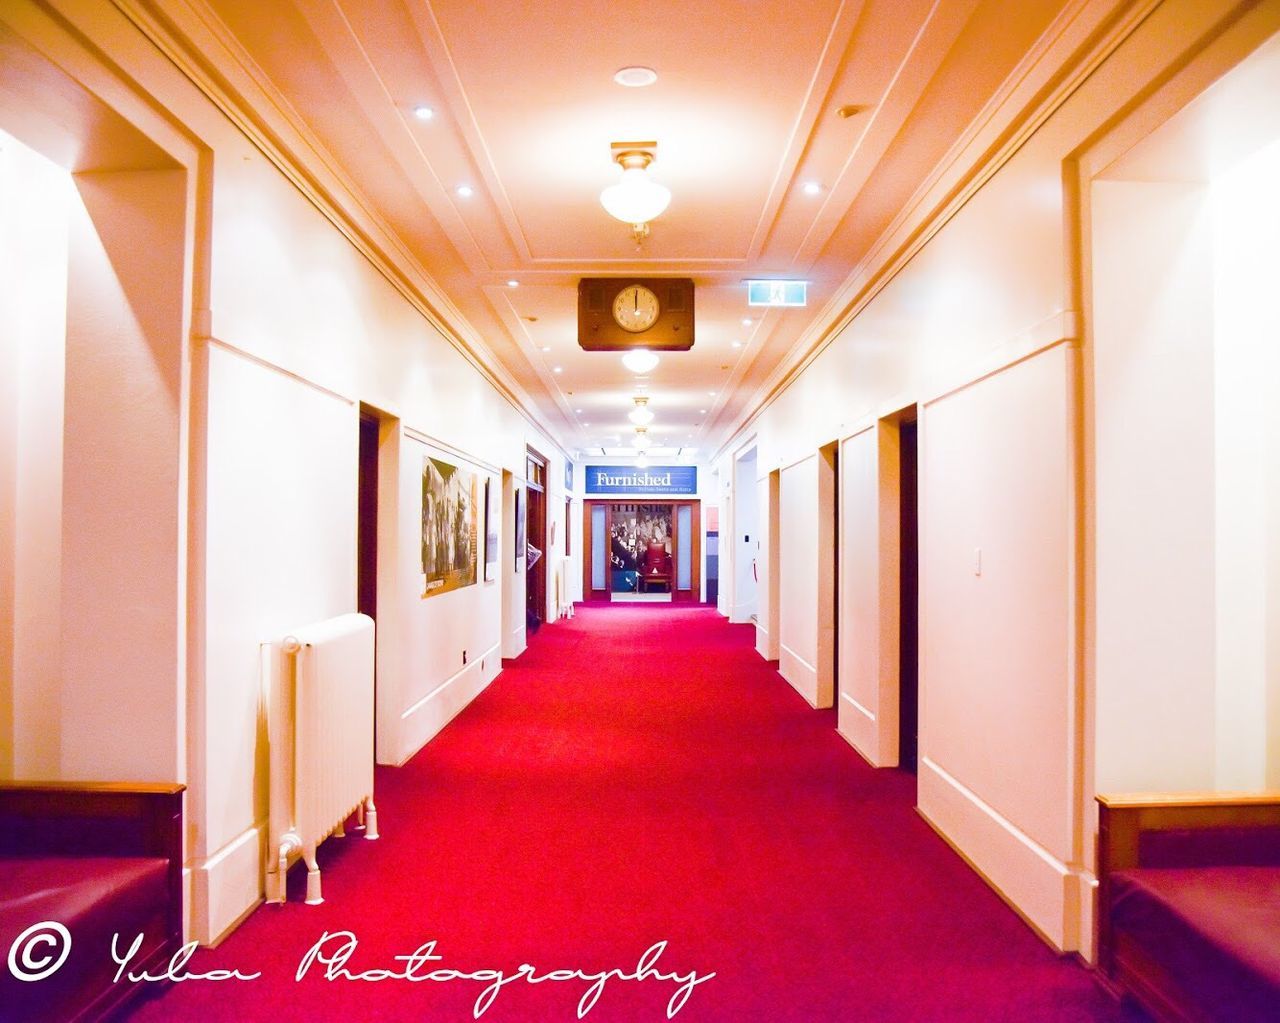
(840, 36)
(430, 33)
(1084, 35)
(199, 44)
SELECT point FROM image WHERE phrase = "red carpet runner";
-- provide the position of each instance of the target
(640, 775)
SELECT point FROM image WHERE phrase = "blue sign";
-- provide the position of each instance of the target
(627, 479)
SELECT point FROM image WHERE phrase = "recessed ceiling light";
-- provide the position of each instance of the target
(546, 348)
(636, 77)
(812, 188)
(578, 410)
(557, 369)
(711, 394)
(423, 113)
(737, 344)
(465, 191)
(702, 412)
(586, 424)
(513, 284)
(747, 321)
(640, 360)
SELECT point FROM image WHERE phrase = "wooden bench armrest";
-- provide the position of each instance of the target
(133, 787)
(1180, 800)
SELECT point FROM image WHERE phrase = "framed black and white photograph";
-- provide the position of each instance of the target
(449, 528)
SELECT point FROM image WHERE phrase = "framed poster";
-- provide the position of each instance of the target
(449, 527)
(520, 552)
(490, 533)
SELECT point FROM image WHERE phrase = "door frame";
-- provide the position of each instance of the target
(678, 596)
(535, 510)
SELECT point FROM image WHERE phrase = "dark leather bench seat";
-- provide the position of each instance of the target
(1214, 932)
(94, 898)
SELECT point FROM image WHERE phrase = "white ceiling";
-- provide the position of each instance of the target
(745, 111)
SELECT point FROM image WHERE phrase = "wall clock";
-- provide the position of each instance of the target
(616, 314)
(636, 308)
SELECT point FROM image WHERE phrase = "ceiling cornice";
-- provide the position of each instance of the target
(1083, 35)
(200, 45)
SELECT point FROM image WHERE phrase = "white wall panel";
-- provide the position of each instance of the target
(868, 634)
(798, 577)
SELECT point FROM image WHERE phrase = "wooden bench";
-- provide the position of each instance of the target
(1188, 916)
(98, 859)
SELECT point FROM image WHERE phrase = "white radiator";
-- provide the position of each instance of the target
(320, 731)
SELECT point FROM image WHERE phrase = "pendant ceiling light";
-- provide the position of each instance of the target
(641, 440)
(639, 360)
(635, 200)
(640, 415)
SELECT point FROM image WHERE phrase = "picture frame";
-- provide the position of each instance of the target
(490, 533)
(450, 501)
(520, 552)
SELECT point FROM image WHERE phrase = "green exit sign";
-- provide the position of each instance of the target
(777, 293)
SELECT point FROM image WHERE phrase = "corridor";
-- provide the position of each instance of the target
(641, 775)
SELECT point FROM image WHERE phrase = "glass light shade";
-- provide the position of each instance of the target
(639, 442)
(639, 360)
(640, 416)
(635, 199)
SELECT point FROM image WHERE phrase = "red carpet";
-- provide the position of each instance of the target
(640, 775)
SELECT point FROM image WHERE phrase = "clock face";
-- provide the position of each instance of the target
(636, 308)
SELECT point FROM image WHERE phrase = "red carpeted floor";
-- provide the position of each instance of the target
(640, 775)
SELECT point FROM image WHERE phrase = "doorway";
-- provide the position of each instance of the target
(367, 533)
(367, 517)
(828, 575)
(642, 551)
(535, 594)
(908, 597)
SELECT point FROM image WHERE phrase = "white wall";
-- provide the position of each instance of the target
(798, 584)
(996, 620)
(769, 588)
(1245, 204)
(869, 593)
(311, 331)
(1153, 354)
(122, 497)
(440, 631)
(979, 328)
(294, 329)
(35, 200)
(1188, 523)
(744, 539)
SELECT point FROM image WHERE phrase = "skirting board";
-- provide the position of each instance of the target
(802, 675)
(764, 646)
(423, 721)
(226, 886)
(740, 614)
(858, 726)
(1036, 885)
(516, 641)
